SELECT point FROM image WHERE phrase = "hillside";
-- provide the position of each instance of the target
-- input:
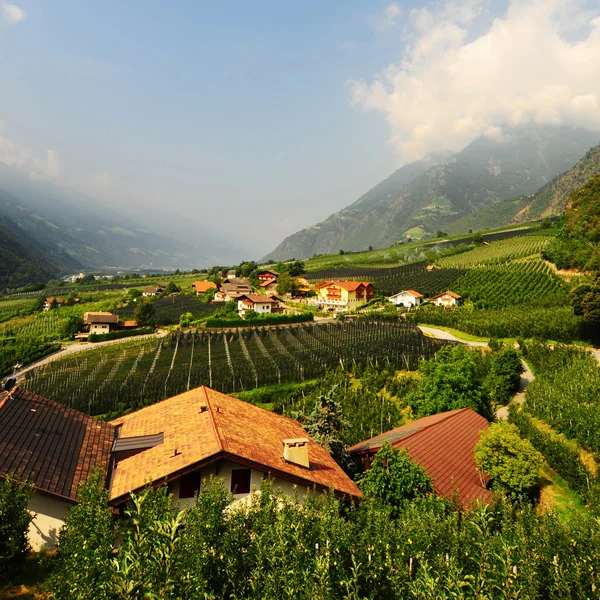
(21, 262)
(94, 235)
(549, 201)
(486, 171)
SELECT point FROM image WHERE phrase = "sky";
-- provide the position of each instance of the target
(261, 118)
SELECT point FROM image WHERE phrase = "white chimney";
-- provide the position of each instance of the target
(296, 451)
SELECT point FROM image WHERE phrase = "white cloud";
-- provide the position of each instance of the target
(388, 18)
(53, 163)
(459, 78)
(12, 14)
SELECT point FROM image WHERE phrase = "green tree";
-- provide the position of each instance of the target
(14, 523)
(83, 561)
(296, 268)
(512, 462)
(144, 313)
(394, 478)
(441, 234)
(185, 319)
(73, 325)
(504, 375)
(135, 293)
(286, 284)
(172, 288)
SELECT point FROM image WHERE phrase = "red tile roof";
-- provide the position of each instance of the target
(53, 446)
(443, 445)
(202, 425)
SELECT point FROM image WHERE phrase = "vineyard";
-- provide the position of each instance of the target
(127, 375)
(389, 280)
(531, 281)
(169, 309)
(498, 252)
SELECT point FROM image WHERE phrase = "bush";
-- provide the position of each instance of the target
(14, 523)
(115, 335)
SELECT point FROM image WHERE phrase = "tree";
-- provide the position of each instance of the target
(185, 319)
(370, 248)
(296, 268)
(512, 462)
(478, 239)
(144, 313)
(441, 234)
(14, 522)
(394, 478)
(286, 284)
(83, 562)
(73, 325)
(342, 253)
(504, 375)
(172, 288)
(135, 293)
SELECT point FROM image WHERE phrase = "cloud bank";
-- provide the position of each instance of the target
(464, 71)
(12, 14)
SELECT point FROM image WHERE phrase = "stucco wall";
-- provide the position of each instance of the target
(50, 517)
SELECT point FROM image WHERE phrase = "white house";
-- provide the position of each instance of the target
(260, 303)
(101, 322)
(407, 298)
(446, 299)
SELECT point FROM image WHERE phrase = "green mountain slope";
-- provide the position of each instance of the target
(549, 201)
(485, 172)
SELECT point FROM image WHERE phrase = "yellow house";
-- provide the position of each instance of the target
(345, 295)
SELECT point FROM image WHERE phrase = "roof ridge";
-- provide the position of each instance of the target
(212, 418)
(451, 413)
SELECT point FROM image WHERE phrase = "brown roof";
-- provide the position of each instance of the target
(203, 425)
(204, 286)
(53, 446)
(152, 289)
(347, 285)
(443, 445)
(275, 273)
(411, 292)
(100, 317)
(128, 323)
(236, 289)
(258, 298)
(448, 293)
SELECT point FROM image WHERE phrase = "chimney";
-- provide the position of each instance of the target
(296, 451)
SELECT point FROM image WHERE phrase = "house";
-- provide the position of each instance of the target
(201, 287)
(260, 303)
(345, 295)
(270, 287)
(152, 290)
(182, 440)
(446, 299)
(444, 445)
(407, 298)
(50, 303)
(100, 322)
(267, 276)
(201, 433)
(234, 288)
(55, 448)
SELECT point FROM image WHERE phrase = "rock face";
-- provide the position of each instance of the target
(428, 195)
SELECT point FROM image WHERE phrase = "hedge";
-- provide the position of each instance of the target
(264, 320)
(115, 335)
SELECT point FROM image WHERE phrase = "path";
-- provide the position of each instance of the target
(80, 347)
(526, 377)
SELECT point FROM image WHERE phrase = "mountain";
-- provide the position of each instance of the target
(549, 201)
(66, 222)
(21, 261)
(516, 162)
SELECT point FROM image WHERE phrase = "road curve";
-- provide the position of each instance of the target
(444, 335)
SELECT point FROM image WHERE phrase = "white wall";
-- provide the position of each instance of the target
(50, 517)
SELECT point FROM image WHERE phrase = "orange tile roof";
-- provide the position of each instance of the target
(411, 292)
(443, 445)
(225, 428)
(203, 286)
(347, 285)
(447, 293)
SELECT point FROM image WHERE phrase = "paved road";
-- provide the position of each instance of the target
(81, 347)
(444, 335)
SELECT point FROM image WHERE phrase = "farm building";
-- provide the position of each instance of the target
(233, 289)
(446, 299)
(201, 287)
(152, 290)
(444, 445)
(267, 276)
(407, 298)
(345, 295)
(55, 448)
(183, 440)
(50, 303)
(100, 322)
(260, 303)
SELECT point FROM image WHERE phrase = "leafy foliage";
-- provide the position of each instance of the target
(144, 313)
(512, 463)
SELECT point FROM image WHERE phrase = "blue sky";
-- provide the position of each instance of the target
(257, 118)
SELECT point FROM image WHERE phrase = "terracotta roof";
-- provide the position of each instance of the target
(100, 317)
(203, 425)
(53, 446)
(443, 445)
(347, 285)
(258, 298)
(411, 292)
(128, 323)
(204, 286)
(275, 273)
(448, 293)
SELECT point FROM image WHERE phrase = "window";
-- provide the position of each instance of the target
(189, 484)
(240, 481)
